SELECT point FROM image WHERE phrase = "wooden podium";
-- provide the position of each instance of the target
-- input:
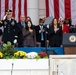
(70, 50)
(69, 43)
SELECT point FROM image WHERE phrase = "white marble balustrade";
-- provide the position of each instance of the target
(24, 67)
(63, 65)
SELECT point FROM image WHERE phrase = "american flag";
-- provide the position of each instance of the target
(61, 8)
(17, 6)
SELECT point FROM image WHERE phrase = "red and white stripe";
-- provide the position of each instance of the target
(17, 6)
(61, 8)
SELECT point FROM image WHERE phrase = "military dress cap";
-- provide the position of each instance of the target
(8, 12)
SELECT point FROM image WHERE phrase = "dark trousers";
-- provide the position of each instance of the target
(42, 43)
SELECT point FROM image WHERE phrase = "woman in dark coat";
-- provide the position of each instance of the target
(29, 35)
(55, 34)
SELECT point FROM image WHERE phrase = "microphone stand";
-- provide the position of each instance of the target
(12, 69)
(46, 38)
(46, 33)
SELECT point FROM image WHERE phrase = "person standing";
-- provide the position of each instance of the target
(55, 34)
(40, 33)
(29, 35)
(21, 25)
(65, 27)
(9, 26)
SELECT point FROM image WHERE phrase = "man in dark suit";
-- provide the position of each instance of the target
(21, 25)
(40, 33)
(9, 25)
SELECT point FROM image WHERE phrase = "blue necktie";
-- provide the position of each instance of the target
(23, 23)
(42, 36)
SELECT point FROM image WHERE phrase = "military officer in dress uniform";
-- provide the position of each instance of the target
(9, 25)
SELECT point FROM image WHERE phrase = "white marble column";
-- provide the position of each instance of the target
(42, 8)
(32, 6)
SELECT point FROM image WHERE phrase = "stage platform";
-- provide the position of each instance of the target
(58, 50)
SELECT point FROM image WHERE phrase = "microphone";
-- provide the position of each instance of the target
(57, 69)
(12, 69)
(12, 64)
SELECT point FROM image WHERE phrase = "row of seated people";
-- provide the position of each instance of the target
(29, 35)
